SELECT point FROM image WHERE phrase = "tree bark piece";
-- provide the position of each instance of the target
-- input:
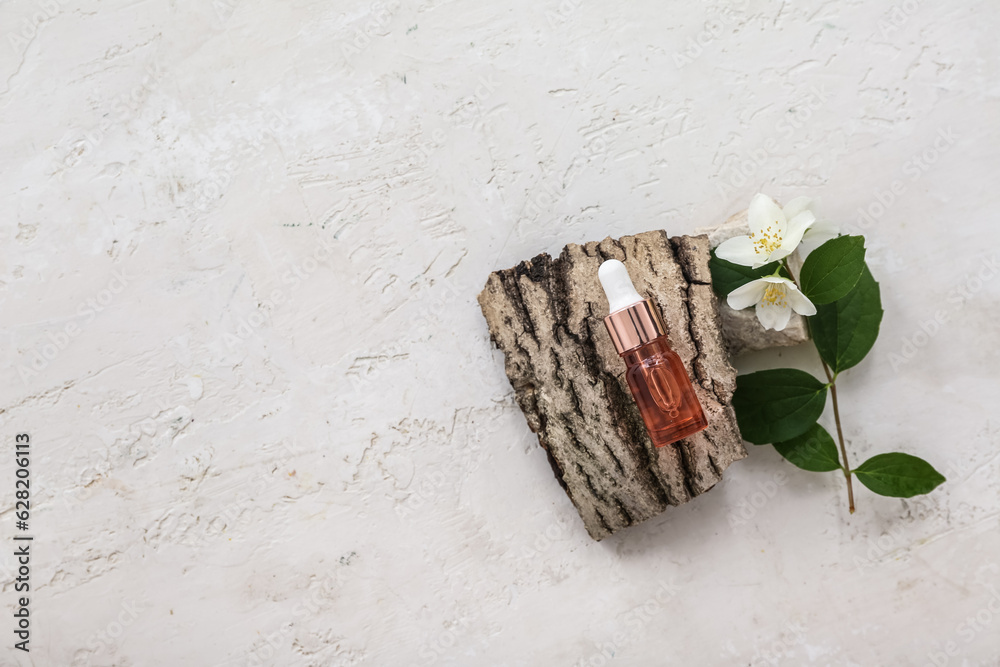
(546, 315)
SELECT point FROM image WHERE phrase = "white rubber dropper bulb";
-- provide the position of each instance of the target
(617, 285)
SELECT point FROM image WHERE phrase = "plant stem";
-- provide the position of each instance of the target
(788, 267)
(832, 379)
(840, 436)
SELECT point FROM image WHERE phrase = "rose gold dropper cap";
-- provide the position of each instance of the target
(633, 321)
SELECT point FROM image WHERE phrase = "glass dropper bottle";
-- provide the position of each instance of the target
(655, 374)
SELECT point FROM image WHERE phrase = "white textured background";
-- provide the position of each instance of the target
(241, 243)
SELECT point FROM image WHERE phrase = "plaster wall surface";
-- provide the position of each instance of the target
(240, 245)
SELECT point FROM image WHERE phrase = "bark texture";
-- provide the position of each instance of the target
(546, 315)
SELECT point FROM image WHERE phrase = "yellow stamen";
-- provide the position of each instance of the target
(774, 295)
(769, 241)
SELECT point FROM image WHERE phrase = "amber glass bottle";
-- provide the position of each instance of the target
(658, 380)
(663, 392)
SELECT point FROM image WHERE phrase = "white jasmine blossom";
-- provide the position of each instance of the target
(818, 233)
(775, 298)
(774, 232)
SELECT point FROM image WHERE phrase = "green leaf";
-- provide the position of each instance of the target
(778, 404)
(898, 475)
(814, 450)
(845, 330)
(727, 276)
(831, 270)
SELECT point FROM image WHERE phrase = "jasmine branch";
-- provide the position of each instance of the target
(841, 300)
